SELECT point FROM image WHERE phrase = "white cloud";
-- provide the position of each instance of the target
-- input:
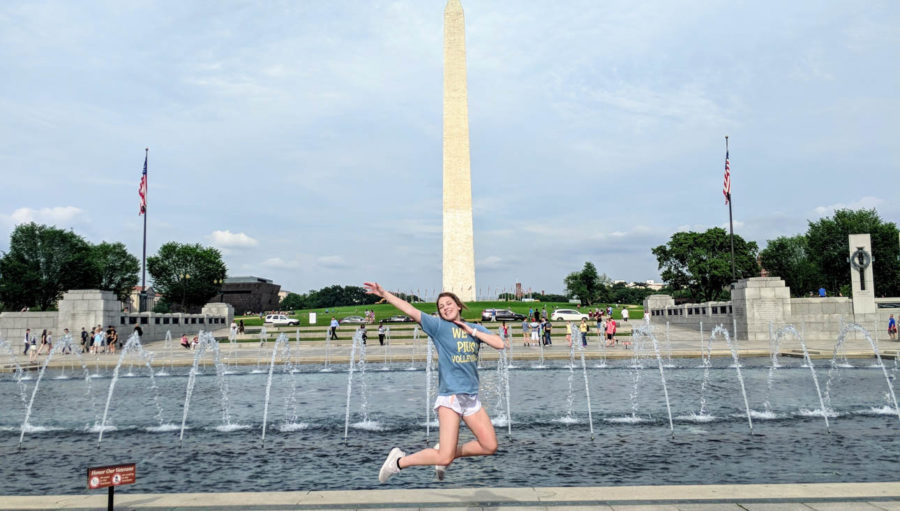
(279, 263)
(65, 215)
(333, 261)
(227, 239)
(867, 202)
(491, 263)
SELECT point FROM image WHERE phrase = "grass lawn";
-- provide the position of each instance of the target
(384, 311)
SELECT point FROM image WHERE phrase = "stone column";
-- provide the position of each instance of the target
(459, 246)
(89, 308)
(862, 281)
(756, 302)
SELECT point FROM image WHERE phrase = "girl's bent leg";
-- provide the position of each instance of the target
(449, 437)
(485, 442)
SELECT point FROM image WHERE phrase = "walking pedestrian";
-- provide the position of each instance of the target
(334, 327)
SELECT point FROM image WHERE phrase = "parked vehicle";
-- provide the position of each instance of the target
(501, 315)
(399, 318)
(353, 320)
(281, 320)
(567, 315)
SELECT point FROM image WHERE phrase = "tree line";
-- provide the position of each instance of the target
(819, 257)
(591, 287)
(43, 262)
(697, 265)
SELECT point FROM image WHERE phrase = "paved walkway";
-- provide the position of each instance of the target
(683, 343)
(754, 497)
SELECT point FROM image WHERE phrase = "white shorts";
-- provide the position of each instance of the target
(534, 335)
(463, 404)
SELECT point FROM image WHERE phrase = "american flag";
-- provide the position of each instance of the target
(142, 189)
(726, 188)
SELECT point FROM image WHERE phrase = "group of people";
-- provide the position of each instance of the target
(539, 331)
(33, 349)
(606, 327)
(97, 340)
(189, 345)
(237, 328)
(598, 313)
(534, 333)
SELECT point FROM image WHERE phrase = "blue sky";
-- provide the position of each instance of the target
(303, 139)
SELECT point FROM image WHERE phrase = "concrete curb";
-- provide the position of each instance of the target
(775, 496)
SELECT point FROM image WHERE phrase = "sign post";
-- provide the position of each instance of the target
(110, 477)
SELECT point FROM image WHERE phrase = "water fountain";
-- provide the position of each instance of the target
(223, 417)
(838, 347)
(133, 345)
(282, 343)
(646, 331)
(327, 369)
(208, 342)
(387, 349)
(412, 351)
(358, 364)
(777, 338)
(721, 331)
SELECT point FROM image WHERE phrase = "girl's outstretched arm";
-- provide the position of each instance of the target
(374, 288)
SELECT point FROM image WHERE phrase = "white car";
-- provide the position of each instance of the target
(281, 319)
(567, 315)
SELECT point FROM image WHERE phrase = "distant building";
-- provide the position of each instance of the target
(648, 284)
(249, 294)
(282, 295)
(132, 304)
(656, 286)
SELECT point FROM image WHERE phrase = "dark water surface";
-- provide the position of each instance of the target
(550, 443)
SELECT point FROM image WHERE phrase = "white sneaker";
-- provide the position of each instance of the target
(439, 470)
(389, 467)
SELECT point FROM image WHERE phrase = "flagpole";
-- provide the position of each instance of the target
(143, 304)
(730, 221)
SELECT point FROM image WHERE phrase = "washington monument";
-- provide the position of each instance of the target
(459, 246)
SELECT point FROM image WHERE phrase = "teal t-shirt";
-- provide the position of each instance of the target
(457, 355)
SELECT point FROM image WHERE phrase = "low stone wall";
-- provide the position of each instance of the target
(762, 301)
(14, 324)
(708, 313)
(87, 308)
(821, 318)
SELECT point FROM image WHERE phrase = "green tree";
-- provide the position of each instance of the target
(115, 269)
(789, 258)
(701, 262)
(42, 263)
(586, 284)
(293, 301)
(187, 276)
(828, 249)
(622, 293)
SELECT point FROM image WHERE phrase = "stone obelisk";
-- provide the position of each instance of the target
(459, 246)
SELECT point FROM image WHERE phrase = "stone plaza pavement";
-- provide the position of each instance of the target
(754, 497)
(683, 343)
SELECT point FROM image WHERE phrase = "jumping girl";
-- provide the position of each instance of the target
(457, 344)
